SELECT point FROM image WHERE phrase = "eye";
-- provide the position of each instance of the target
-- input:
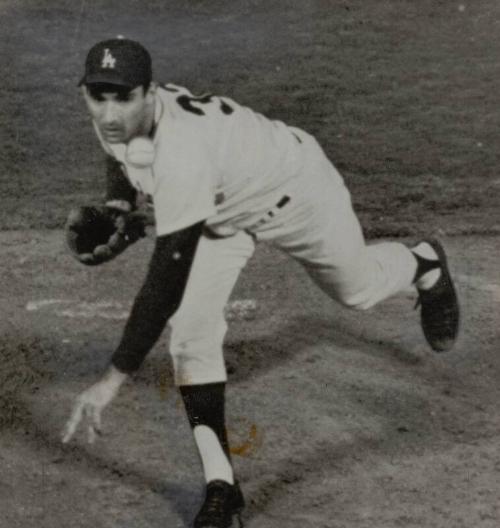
(96, 96)
(124, 97)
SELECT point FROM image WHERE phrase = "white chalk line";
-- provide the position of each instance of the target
(473, 282)
(235, 310)
(33, 306)
(114, 310)
(480, 284)
(86, 310)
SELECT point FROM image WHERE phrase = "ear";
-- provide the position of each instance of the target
(86, 95)
(151, 92)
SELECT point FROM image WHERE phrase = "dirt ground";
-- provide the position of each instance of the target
(337, 418)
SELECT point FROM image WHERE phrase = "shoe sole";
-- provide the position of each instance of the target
(443, 344)
(236, 522)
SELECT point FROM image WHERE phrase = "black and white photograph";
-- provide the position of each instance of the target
(249, 264)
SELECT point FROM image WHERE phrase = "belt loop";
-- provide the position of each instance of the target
(283, 201)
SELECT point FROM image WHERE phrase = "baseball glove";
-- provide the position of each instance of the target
(98, 234)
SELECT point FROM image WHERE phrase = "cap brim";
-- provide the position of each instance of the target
(104, 78)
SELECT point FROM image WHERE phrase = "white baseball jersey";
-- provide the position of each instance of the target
(223, 163)
(215, 160)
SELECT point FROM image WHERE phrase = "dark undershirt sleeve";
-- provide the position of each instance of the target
(118, 187)
(158, 298)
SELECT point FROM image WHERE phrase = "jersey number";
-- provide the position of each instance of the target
(186, 102)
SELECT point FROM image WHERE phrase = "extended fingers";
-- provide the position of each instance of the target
(97, 419)
(94, 427)
(91, 414)
(73, 422)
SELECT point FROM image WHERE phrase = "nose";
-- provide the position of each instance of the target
(109, 113)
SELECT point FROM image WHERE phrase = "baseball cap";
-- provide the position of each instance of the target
(118, 61)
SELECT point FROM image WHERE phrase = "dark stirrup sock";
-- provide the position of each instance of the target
(205, 410)
(205, 406)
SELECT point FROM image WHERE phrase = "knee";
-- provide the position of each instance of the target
(198, 362)
(196, 350)
(195, 332)
(193, 345)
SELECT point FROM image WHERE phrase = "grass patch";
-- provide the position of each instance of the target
(401, 94)
(21, 373)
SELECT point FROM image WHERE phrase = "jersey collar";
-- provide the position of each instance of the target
(158, 116)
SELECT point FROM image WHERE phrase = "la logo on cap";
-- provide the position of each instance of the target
(108, 61)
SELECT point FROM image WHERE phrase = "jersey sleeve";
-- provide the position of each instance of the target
(158, 298)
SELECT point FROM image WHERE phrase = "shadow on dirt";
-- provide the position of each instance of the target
(26, 365)
(247, 358)
(390, 404)
(311, 459)
(181, 497)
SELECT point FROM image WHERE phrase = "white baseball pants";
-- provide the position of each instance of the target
(317, 226)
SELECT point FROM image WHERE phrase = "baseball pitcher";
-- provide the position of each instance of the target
(222, 178)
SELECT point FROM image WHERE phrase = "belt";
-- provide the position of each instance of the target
(271, 213)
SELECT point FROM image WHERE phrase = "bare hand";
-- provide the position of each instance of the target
(90, 404)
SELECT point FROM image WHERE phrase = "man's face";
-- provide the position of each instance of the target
(120, 113)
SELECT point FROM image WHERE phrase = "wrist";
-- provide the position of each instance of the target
(113, 379)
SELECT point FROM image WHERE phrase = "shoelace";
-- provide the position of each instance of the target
(214, 503)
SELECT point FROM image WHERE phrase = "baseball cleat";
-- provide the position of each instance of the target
(439, 310)
(223, 501)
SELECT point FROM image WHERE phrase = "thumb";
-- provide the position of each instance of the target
(103, 252)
